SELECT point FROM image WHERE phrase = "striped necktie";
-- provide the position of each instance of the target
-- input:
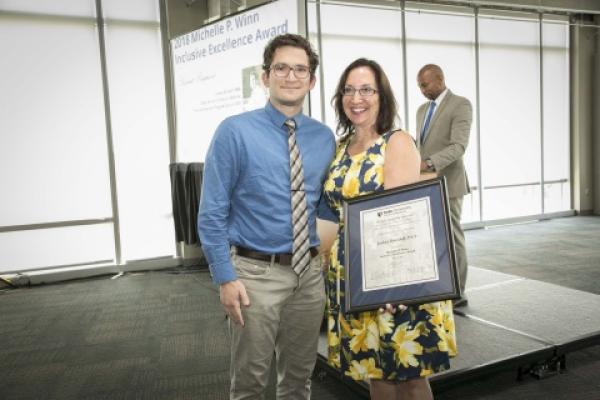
(301, 247)
(427, 121)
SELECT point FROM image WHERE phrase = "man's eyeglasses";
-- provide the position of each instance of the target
(283, 70)
(363, 91)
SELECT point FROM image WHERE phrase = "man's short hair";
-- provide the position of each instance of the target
(290, 39)
(433, 68)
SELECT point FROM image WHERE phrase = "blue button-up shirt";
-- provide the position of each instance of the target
(246, 194)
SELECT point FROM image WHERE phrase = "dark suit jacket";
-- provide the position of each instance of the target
(447, 139)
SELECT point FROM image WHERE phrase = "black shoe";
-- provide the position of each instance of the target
(460, 302)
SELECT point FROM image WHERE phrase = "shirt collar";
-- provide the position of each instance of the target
(440, 98)
(278, 118)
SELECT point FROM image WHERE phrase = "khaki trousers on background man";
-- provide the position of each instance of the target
(459, 240)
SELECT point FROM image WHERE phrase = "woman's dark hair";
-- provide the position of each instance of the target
(387, 102)
(292, 40)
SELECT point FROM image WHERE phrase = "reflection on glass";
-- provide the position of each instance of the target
(555, 36)
(350, 32)
(27, 250)
(510, 116)
(139, 126)
(53, 160)
(451, 45)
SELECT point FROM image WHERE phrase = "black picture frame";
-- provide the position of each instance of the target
(419, 214)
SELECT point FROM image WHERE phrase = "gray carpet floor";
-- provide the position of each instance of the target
(562, 251)
(153, 335)
(162, 335)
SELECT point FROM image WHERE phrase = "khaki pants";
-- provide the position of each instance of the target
(284, 317)
(459, 241)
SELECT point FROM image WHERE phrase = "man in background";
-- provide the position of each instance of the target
(443, 126)
(262, 183)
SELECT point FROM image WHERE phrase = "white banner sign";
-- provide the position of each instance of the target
(217, 71)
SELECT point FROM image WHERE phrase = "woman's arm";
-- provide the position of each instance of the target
(401, 167)
(402, 161)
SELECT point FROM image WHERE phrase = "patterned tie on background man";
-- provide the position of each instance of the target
(301, 247)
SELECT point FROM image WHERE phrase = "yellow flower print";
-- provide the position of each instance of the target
(332, 338)
(352, 181)
(405, 348)
(350, 188)
(426, 372)
(443, 320)
(449, 324)
(375, 172)
(379, 175)
(365, 334)
(369, 175)
(339, 154)
(448, 315)
(376, 158)
(345, 327)
(437, 314)
(333, 357)
(383, 147)
(447, 341)
(386, 323)
(446, 306)
(333, 260)
(338, 172)
(329, 185)
(333, 342)
(364, 370)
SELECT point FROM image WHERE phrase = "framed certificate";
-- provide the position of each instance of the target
(399, 247)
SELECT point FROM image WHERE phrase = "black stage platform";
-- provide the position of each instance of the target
(510, 323)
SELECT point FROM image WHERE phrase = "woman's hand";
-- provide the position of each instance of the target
(390, 308)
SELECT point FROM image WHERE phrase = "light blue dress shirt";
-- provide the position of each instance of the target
(245, 198)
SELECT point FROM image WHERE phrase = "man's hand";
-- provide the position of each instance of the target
(233, 295)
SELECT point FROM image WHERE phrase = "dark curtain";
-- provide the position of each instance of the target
(186, 185)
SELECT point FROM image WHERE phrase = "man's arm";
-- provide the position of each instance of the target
(221, 172)
(460, 128)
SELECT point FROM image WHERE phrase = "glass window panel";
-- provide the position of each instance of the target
(53, 154)
(350, 32)
(26, 250)
(140, 135)
(555, 34)
(471, 205)
(555, 38)
(510, 115)
(54, 7)
(315, 93)
(447, 40)
(140, 10)
(557, 196)
(511, 202)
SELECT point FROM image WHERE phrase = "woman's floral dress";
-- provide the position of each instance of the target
(368, 345)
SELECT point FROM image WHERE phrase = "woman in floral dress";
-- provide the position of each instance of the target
(396, 349)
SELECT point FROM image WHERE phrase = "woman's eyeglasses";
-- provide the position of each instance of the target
(363, 91)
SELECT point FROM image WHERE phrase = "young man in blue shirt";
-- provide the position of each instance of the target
(246, 229)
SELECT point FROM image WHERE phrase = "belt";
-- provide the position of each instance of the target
(283, 258)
